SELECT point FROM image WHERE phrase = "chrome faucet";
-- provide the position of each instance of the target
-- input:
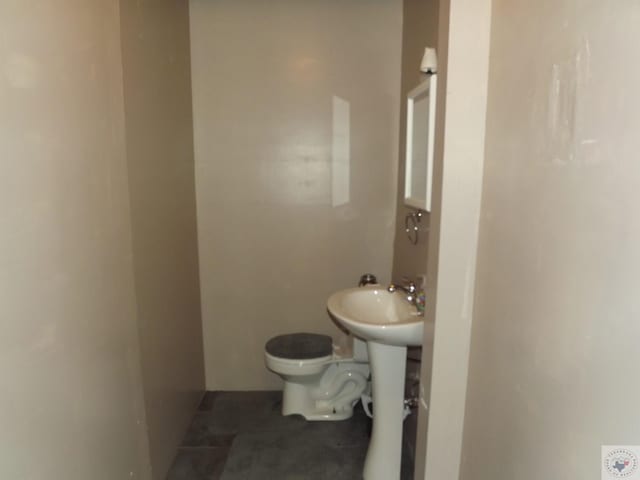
(409, 288)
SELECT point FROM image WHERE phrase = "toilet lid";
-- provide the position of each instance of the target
(300, 346)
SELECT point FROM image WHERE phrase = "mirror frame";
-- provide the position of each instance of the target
(425, 89)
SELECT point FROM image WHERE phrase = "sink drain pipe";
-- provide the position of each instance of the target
(409, 403)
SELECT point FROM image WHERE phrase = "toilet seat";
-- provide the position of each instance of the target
(300, 346)
(299, 353)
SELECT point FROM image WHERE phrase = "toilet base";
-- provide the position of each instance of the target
(296, 401)
(329, 396)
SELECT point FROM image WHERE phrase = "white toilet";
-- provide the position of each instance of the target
(322, 381)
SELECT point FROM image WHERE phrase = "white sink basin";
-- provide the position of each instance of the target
(374, 314)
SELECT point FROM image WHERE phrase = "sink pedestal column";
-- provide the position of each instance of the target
(384, 455)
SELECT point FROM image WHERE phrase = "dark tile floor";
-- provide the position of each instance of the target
(243, 436)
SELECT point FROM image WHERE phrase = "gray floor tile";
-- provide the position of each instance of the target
(353, 432)
(236, 412)
(297, 456)
(198, 464)
(203, 433)
(206, 403)
(247, 431)
(207, 426)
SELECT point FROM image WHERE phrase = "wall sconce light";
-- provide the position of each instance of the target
(429, 64)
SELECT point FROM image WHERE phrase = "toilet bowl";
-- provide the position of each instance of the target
(322, 381)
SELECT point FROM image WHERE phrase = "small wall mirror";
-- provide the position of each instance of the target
(421, 114)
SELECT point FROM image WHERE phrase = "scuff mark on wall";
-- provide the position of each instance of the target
(567, 141)
(562, 113)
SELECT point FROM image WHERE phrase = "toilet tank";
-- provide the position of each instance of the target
(346, 345)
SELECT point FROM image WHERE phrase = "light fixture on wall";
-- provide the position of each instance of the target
(429, 64)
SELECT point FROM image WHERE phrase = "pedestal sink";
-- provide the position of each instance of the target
(389, 323)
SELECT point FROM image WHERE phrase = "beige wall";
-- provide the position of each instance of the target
(275, 238)
(464, 32)
(159, 132)
(71, 401)
(555, 341)
(419, 30)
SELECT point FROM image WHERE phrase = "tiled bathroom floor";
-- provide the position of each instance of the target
(243, 436)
